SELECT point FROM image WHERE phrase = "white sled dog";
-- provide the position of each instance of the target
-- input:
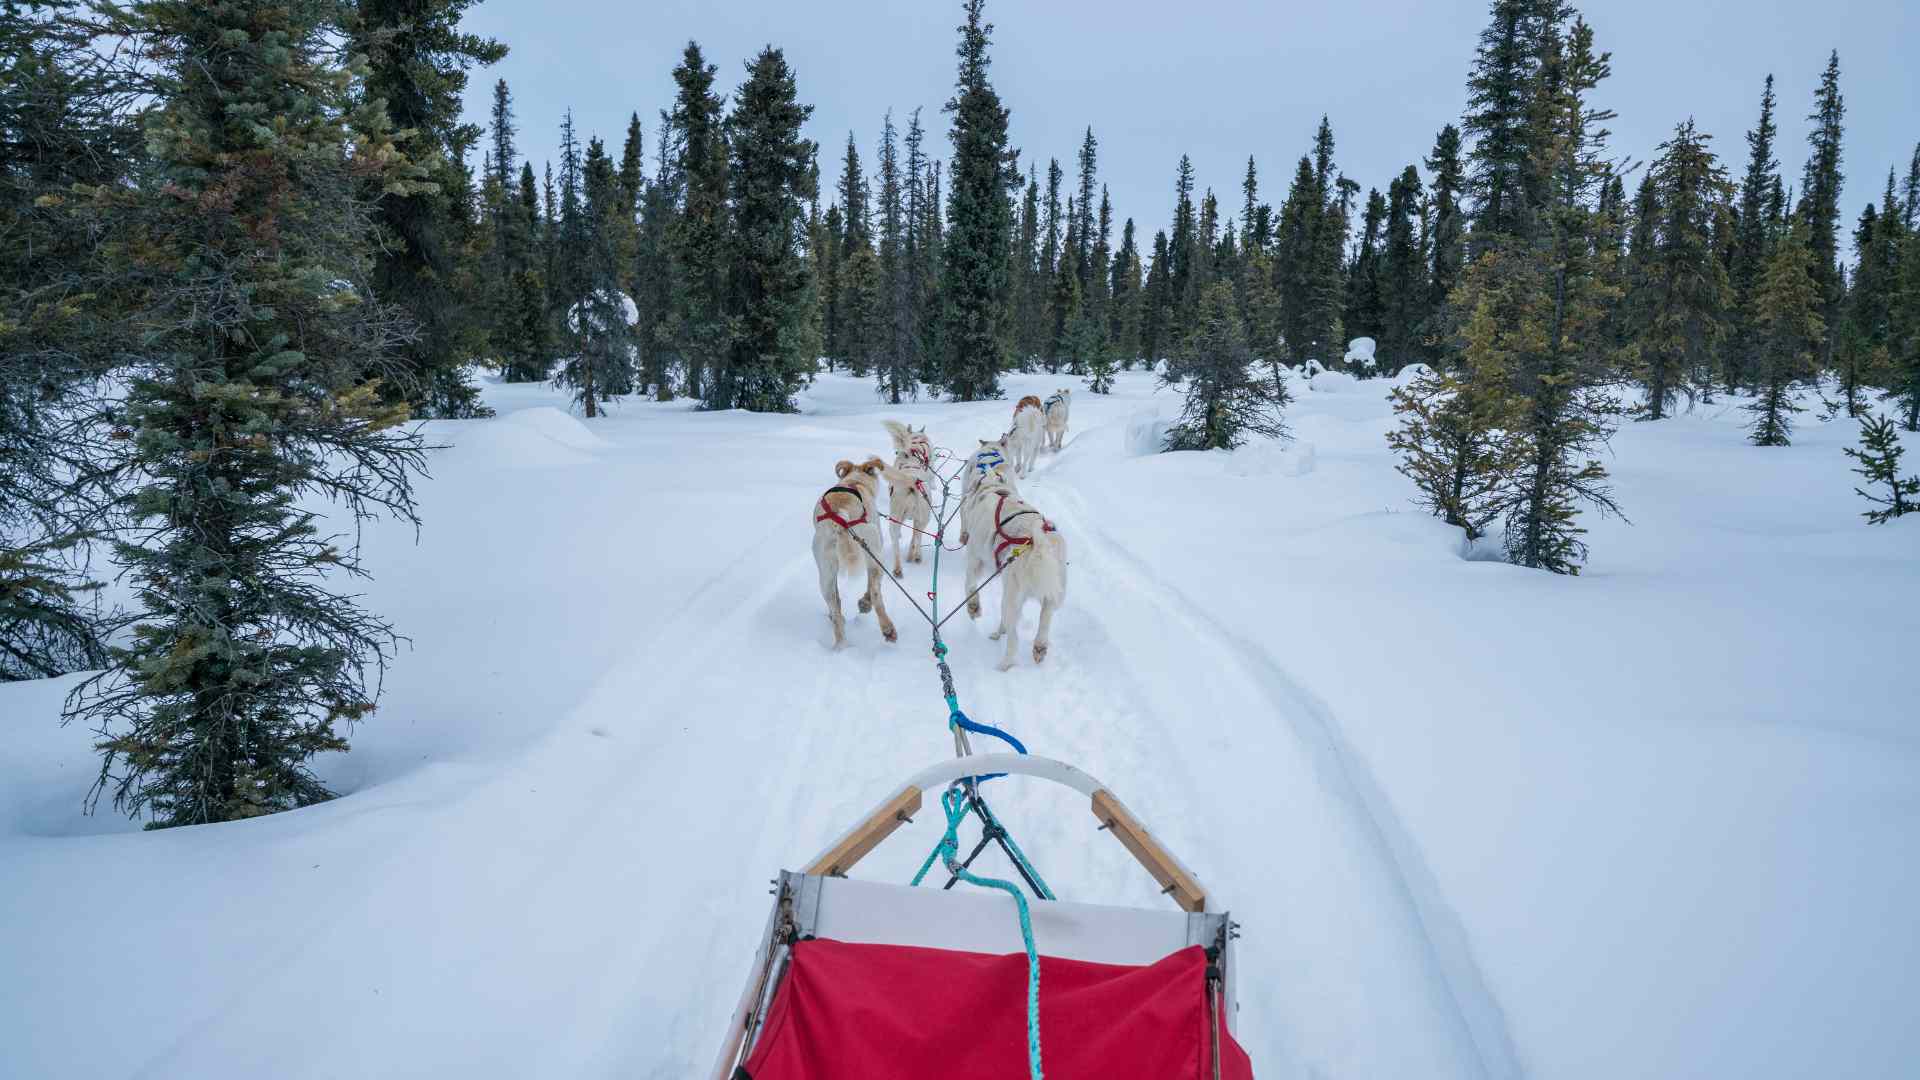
(1006, 533)
(1055, 410)
(843, 518)
(992, 457)
(1028, 434)
(909, 491)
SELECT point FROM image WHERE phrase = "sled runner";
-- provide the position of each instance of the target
(858, 980)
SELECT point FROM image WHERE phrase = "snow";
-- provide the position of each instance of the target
(1360, 351)
(1333, 382)
(1656, 820)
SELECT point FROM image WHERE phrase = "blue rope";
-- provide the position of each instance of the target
(954, 800)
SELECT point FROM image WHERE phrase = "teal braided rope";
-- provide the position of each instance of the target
(954, 801)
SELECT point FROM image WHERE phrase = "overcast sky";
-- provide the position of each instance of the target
(1217, 79)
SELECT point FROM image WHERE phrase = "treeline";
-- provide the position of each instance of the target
(245, 244)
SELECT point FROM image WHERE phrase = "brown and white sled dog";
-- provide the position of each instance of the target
(1055, 410)
(1007, 533)
(843, 518)
(909, 488)
(1029, 432)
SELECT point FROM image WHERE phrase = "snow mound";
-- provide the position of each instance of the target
(530, 438)
(1360, 351)
(1333, 382)
(1272, 459)
(1411, 372)
(1147, 432)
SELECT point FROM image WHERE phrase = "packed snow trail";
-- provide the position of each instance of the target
(620, 717)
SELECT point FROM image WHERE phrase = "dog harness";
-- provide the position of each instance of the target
(986, 459)
(1018, 544)
(1047, 406)
(920, 452)
(827, 514)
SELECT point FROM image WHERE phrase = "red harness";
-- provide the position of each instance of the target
(1007, 540)
(827, 514)
(920, 452)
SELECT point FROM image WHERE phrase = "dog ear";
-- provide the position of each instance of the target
(873, 466)
(842, 468)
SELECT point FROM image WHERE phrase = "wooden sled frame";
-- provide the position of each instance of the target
(850, 847)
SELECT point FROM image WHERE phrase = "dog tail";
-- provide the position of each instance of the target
(898, 431)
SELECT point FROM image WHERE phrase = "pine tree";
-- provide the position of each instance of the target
(1904, 322)
(1225, 403)
(653, 284)
(979, 223)
(1123, 323)
(771, 180)
(700, 236)
(1820, 205)
(1753, 239)
(1366, 306)
(66, 130)
(599, 315)
(1030, 299)
(1502, 99)
(1879, 457)
(1784, 314)
(418, 61)
(527, 326)
(899, 313)
(1154, 303)
(1447, 252)
(1910, 205)
(1534, 305)
(246, 399)
(1083, 253)
(1686, 295)
(1178, 302)
(1403, 283)
(1456, 443)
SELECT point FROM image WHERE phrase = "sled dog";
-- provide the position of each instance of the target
(1029, 432)
(1008, 534)
(844, 518)
(1055, 409)
(909, 488)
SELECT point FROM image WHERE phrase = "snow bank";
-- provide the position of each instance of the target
(1360, 351)
(1333, 382)
(539, 437)
(1147, 432)
(1272, 459)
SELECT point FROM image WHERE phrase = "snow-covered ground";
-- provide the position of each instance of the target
(1660, 820)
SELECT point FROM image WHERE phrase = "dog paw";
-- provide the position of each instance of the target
(973, 610)
(996, 635)
(889, 633)
(1004, 665)
(866, 605)
(1039, 651)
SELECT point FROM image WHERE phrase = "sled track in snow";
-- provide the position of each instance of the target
(1343, 774)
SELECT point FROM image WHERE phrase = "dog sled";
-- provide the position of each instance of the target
(860, 980)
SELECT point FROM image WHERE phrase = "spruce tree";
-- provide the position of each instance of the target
(979, 222)
(1904, 322)
(247, 268)
(418, 61)
(1544, 297)
(698, 240)
(653, 284)
(1154, 303)
(1753, 239)
(1787, 329)
(1403, 283)
(1225, 402)
(1456, 442)
(1030, 292)
(899, 358)
(1910, 204)
(1879, 457)
(771, 181)
(1502, 120)
(1820, 204)
(1089, 168)
(1178, 301)
(526, 324)
(1686, 292)
(1447, 243)
(1123, 322)
(599, 314)
(67, 134)
(1366, 306)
